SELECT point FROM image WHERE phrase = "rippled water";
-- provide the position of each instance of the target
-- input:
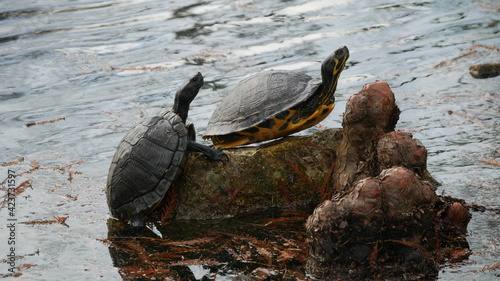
(102, 65)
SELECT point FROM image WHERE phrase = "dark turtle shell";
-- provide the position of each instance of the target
(258, 98)
(145, 163)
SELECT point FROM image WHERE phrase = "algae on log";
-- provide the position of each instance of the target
(291, 173)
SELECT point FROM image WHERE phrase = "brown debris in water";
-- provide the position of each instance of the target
(480, 208)
(18, 270)
(492, 267)
(489, 162)
(472, 51)
(57, 219)
(156, 68)
(37, 252)
(149, 272)
(27, 265)
(45, 122)
(217, 249)
(36, 166)
(17, 191)
(465, 116)
(13, 162)
(495, 8)
(85, 58)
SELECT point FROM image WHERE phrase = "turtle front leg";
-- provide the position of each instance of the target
(215, 154)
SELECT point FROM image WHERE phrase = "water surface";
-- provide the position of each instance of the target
(103, 65)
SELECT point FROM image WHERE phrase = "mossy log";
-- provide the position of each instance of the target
(293, 172)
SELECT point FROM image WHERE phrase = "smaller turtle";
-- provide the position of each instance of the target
(275, 104)
(150, 156)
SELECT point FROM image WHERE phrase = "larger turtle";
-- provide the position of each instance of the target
(274, 104)
(149, 158)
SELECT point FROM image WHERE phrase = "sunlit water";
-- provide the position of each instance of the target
(102, 65)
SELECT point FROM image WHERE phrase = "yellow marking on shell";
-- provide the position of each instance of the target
(222, 144)
(271, 133)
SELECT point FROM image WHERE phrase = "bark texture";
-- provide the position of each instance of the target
(385, 211)
(369, 114)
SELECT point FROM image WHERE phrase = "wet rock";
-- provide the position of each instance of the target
(487, 70)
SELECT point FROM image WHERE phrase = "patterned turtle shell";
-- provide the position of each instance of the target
(274, 104)
(149, 157)
(145, 164)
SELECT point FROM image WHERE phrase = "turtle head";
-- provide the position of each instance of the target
(186, 94)
(331, 68)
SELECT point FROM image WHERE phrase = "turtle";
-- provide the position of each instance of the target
(274, 104)
(150, 156)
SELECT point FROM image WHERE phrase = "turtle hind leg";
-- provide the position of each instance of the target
(137, 220)
(215, 154)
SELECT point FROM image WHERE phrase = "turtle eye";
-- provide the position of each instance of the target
(338, 52)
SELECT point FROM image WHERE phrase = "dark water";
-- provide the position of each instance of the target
(102, 65)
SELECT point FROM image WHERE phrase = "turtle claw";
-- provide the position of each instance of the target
(222, 156)
(216, 154)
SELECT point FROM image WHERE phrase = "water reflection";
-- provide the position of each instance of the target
(265, 245)
(269, 245)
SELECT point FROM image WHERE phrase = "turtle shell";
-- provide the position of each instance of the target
(258, 98)
(145, 164)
